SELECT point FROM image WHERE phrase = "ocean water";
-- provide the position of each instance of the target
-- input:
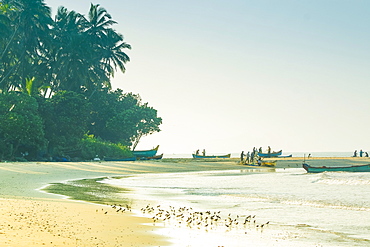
(295, 154)
(279, 207)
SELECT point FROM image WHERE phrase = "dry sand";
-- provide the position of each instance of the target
(32, 218)
(56, 223)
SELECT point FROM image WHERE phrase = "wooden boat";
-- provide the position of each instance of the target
(156, 157)
(264, 164)
(210, 156)
(268, 163)
(119, 159)
(269, 155)
(146, 153)
(284, 156)
(314, 169)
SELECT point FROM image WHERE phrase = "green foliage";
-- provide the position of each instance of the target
(23, 50)
(122, 118)
(66, 117)
(21, 127)
(90, 147)
(46, 65)
(71, 52)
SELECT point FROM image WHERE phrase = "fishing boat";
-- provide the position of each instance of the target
(156, 157)
(119, 159)
(195, 156)
(284, 156)
(268, 163)
(146, 153)
(314, 169)
(269, 155)
(264, 164)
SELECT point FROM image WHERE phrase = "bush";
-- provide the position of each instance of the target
(21, 126)
(91, 146)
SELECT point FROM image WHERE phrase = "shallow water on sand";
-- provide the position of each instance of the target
(325, 209)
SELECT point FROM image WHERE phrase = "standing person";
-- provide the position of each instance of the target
(242, 157)
(197, 152)
(260, 150)
(361, 152)
(269, 149)
(204, 152)
(355, 153)
(248, 156)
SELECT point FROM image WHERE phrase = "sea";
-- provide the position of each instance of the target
(254, 207)
(294, 154)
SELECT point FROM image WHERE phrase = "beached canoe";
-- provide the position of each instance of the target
(268, 163)
(314, 169)
(146, 153)
(284, 156)
(118, 159)
(210, 156)
(156, 157)
(264, 164)
(269, 155)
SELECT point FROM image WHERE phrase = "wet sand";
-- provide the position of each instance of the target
(34, 218)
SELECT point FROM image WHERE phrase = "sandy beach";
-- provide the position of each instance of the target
(31, 217)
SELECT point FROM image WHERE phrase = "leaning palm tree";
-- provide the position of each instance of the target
(26, 47)
(5, 27)
(6, 36)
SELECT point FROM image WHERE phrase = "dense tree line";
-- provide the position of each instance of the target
(55, 92)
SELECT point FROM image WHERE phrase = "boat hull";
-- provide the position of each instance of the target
(312, 169)
(211, 156)
(268, 163)
(125, 159)
(269, 155)
(146, 153)
(156, 157)
(284, 156)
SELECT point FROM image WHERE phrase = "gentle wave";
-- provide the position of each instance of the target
(342, 178)
(301, 202)
(322, 204)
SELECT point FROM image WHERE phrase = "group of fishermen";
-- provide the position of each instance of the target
(252, 157)
(203, 153)
(361, 154)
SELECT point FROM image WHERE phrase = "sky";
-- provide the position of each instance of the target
(227, 76)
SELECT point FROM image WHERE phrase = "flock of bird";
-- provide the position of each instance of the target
(186, 216)
(118, 208)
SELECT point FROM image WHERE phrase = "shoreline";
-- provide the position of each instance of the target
(36, 215)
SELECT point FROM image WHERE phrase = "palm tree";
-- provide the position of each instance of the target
(85, 50)
(114, 54)
(6, 35)
(68, 58)
(26, 47)
(107, 43)
(5, 29)
(69, 53)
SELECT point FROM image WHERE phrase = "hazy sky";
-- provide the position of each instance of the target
(230, 75)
